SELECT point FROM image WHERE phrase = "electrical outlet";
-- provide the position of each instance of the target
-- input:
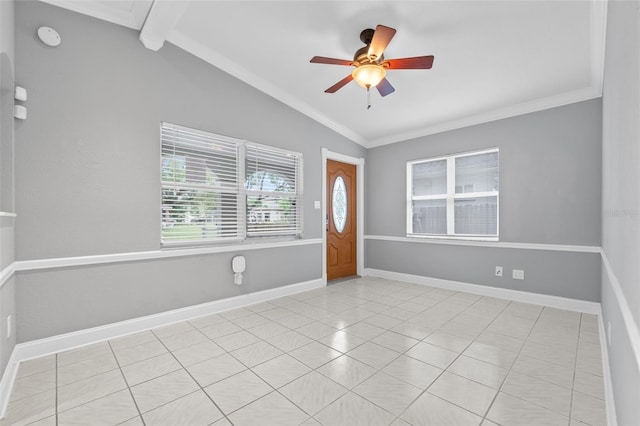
(518, 274)
(8, 326)
(498, 271)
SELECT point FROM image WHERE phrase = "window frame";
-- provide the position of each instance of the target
(450, 197)
(240, 191)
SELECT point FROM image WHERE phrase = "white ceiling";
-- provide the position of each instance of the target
(493, 59)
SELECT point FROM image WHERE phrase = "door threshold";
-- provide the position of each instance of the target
(342, 279)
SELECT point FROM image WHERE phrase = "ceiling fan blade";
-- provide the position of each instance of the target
(381, 38)
(419, 62)
(332, 61)
(385, 88)
(339, 84)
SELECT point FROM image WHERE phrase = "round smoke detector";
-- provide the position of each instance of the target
(49, 36)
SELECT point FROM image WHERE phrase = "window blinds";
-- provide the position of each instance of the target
(205, 197)
(273, 191)
(199, 185)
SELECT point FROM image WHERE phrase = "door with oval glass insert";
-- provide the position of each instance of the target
(341, 220)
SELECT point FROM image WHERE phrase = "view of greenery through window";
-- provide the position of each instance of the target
(188, 212)
(204, 196)
(271, 202)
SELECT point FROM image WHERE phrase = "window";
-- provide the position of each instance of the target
(272, 191)
(216, 188)
(454, 196)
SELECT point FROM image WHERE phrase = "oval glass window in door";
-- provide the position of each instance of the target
(339, 204)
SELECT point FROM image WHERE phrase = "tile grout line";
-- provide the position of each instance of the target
(575, 369)
(511, 366)
(126, 382)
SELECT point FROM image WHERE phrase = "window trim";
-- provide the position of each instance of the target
(242, 193)
(451, 196)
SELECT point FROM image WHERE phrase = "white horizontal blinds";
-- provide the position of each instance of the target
(476, 200)
(273, 191)
(200, 190)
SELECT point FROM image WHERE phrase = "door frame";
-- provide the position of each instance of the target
(359, 163)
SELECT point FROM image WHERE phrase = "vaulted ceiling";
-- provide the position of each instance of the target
(493, 59)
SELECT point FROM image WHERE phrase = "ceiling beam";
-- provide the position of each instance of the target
(162, 18)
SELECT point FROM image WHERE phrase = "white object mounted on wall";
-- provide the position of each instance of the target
(238, 265)
(20, 112)
(20, 94)
(49, 36)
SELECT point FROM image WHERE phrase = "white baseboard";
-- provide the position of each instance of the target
(608, 383)
(500, 293)
(624, 310)
(6, 384)
(63, 342)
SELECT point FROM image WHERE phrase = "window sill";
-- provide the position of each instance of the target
(236, 242)
(453, 238)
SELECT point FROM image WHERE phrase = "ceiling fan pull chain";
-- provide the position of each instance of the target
(368, 97)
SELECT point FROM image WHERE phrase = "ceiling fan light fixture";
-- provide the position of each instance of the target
(369, 75)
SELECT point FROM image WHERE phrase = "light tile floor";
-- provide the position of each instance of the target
(362, 352)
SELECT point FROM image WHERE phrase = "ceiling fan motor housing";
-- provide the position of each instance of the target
(362, 57)
(367, 35)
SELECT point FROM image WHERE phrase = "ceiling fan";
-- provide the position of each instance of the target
(371, 66)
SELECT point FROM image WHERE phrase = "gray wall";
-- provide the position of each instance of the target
(550, 182)
(7, 224)
(105, 294)
(621, 200)
(557, 273)
(87, 171)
